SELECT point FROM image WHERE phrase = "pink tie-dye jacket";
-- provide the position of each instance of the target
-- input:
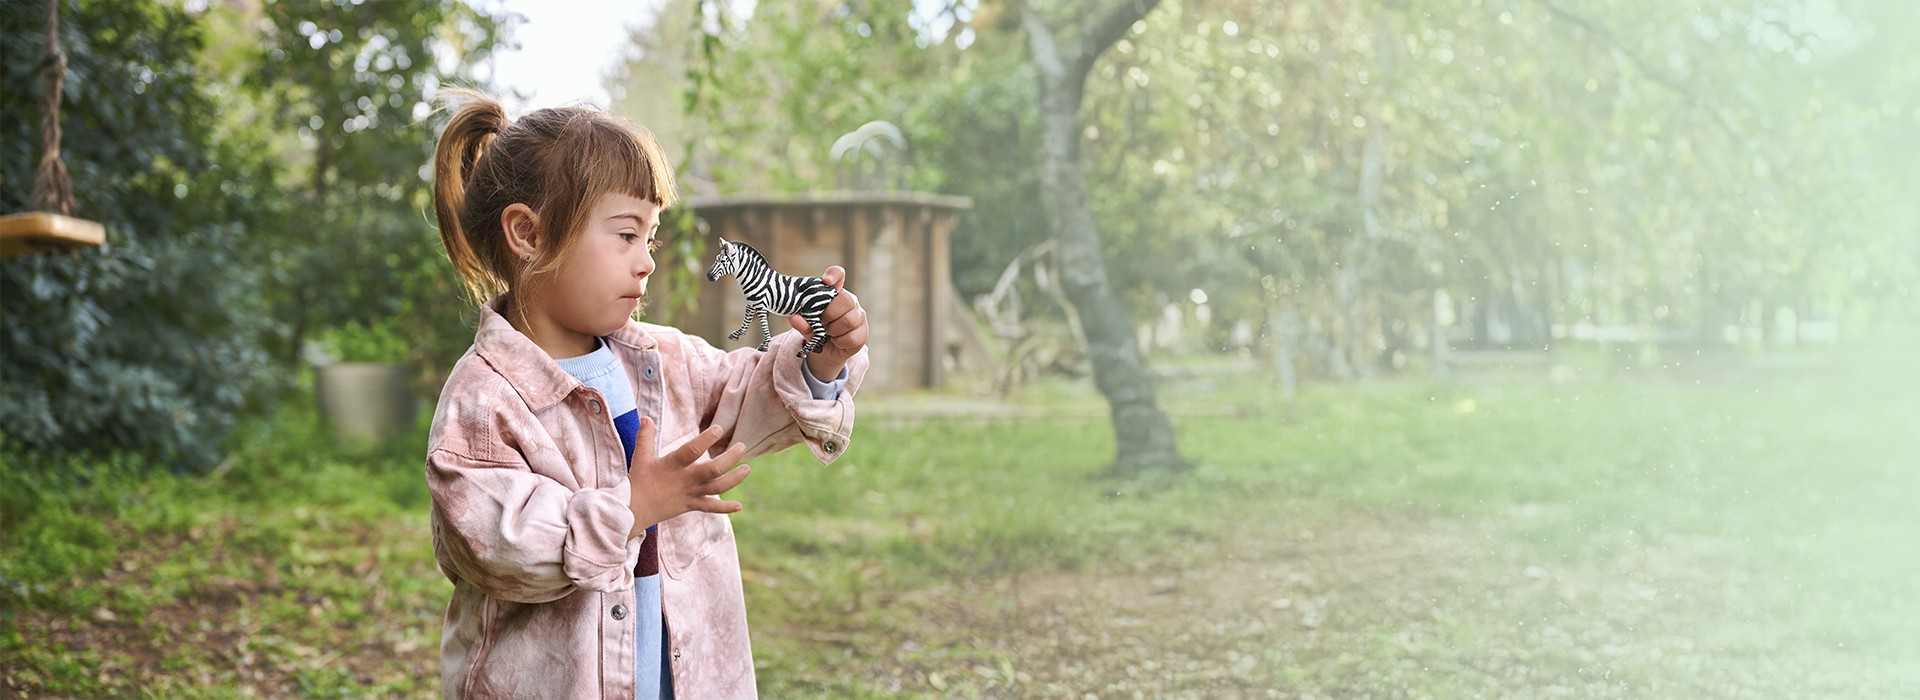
(530, 511)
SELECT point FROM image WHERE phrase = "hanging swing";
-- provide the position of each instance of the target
(53, 226)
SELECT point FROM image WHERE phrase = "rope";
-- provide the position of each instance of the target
(52, 190)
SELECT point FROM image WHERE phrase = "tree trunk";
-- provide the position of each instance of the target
(302, 308)
(1143, 434)
(1285, 326)
(1363, 252)
(1441, 353)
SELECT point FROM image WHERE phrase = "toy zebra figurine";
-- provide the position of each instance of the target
(769, 291)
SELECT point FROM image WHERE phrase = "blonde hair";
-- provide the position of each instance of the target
(557, 161)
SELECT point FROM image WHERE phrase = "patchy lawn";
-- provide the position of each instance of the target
(1739, 534)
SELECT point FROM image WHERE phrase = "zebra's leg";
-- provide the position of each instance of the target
(745, 319)
(819, 338)
(766, 332)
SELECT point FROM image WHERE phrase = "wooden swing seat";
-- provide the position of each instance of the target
(36, 231)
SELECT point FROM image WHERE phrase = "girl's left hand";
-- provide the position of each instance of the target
(846, 325)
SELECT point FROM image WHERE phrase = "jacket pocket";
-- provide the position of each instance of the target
(690, 538)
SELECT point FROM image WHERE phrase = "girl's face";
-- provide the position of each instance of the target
(603, 279)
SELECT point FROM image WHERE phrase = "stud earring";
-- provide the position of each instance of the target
(527, 257)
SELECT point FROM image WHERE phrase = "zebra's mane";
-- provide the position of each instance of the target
(751, 253)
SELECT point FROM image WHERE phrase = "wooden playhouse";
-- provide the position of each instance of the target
(893, 246)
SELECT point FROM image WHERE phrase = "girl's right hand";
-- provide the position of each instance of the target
(683, 480)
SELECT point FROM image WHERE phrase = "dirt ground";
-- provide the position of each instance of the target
(1361, 609)
(1349, 607)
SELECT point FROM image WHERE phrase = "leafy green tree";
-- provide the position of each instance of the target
(1326, 171)
(259, 168)
(151, 344)
(824, 67)
(1062, 61)
(346, 86)
(1626, 167)
(704, 78)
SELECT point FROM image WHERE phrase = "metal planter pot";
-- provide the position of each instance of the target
(365, 402)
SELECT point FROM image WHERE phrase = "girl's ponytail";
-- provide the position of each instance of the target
(477, 122)
(556, 161)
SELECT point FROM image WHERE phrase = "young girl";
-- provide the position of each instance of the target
(586, 559)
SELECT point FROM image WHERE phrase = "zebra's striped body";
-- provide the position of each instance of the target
(769, 291)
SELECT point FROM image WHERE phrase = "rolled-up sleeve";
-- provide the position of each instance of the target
(524, 537)
(827, 390)
(762, 398)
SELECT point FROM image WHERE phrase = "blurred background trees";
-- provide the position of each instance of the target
(1336, 190)
(153, 345)
(350, 84)
(1325, 175)
(259, 168)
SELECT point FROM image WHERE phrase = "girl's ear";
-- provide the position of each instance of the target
(522, 228)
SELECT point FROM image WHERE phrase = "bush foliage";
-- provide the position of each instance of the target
(150, 344)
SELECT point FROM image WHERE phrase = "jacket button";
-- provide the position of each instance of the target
(619, 611)
(676, 655)
(831, 447)
(593, 406)
(648, 372)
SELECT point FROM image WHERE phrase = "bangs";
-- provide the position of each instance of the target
(623, 157)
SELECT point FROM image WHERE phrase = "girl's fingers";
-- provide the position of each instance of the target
(712, 467)
(851, 340)
(709, 504)
(643, 439)
(725, 482)
(845, 303)
(690, 452)
(847, 323)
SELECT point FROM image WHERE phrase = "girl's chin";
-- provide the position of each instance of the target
(608, 326)
(633, 312)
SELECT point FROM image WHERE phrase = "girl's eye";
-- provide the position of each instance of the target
(629, 237)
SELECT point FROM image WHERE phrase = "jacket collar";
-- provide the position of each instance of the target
(528, 369)
(634, 336)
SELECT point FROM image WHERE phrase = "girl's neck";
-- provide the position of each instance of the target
(559, 343)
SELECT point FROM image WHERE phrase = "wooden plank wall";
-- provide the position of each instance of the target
(897, 257)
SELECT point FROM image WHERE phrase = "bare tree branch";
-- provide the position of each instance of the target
(1649, 70)
(1654, 74)
(1072, 66)
(1104, 31)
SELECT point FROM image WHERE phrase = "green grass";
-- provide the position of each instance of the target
(1760, 518)
(255, 582)
(1657, 534)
